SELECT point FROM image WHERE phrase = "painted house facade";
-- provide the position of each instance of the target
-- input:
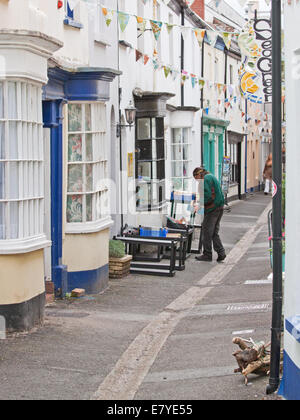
(57, 93)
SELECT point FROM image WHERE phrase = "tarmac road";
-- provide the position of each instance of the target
(153, 338)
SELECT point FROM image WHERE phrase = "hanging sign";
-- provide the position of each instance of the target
(263, 32)
(256, 70)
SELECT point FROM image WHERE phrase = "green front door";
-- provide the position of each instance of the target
(209, 152)
(221, 154)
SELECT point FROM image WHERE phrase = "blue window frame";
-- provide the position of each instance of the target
(70, 13)
(69, 20)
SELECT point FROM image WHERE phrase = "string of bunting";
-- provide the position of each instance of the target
(157, 26)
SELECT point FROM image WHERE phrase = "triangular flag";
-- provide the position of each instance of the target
(200, 34)
(212, 37)
(227, 37)
(167, 71)
(169, 27)
(138, 55)
(123, 20)
(108, 15)
(156, 28)
(141, 24)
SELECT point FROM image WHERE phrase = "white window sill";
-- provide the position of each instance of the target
(100, 40)
(89, 227)
(23, 246)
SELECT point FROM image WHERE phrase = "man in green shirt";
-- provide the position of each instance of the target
(213, 213)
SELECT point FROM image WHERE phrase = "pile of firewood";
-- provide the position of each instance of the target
(252, 357)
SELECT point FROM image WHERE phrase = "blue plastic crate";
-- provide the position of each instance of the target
(152, 233)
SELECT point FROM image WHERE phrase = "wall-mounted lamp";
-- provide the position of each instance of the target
(130, 114)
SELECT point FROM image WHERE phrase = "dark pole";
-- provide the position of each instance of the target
(182, 55)
(225, 82)
(202, 101)
(277, 200)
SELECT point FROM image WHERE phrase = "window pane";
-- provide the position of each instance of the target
(145, 150)
(13, 141)
(1, 101)
(75, 178)
(89, 178)
(160, 149)
(160, 131)
(14, 180)
(186, 169)
(161, 170)
(74, 209)
(88, 117)
(177, 135)
(144, 171)
(144, 195)
(12, 101)
(2, 140)
(186, 152)
(89, 208)
(143, 129)
(177, 184)
(75, 117)
(2, 220)
(75, 148)
(14, 220)
(176, 169)
(185, 135)
(89, 147)
(2, 181)
(177, 153)
(187, 185)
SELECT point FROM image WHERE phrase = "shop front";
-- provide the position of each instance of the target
(74, 105)
(214, 137)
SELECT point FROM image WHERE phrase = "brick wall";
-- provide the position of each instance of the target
(199, 8)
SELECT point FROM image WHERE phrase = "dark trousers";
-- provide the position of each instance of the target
(210, 233)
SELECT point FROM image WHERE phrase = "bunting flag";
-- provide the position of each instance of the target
(200, 34)
(212, 37)
(193, 80)
(169, 28)
(156, 28)
(227, 38)
(141, 24)
(167, 71)
(138, 55)
(108, 15)
(123, 20)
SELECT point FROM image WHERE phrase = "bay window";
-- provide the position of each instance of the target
(181, 160)
(87, 185)
(150, 163)
(21, 161)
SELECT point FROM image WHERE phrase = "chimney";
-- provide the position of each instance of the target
(198, 7)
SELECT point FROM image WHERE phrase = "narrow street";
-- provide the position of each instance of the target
(153, 338)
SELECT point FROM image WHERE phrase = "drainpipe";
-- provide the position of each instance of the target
(277, 200)
(225, 82)
(182, 55)
(202, 103)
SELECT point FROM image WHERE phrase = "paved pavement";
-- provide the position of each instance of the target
(152, 338)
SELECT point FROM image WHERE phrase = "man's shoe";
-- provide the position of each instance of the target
(204, 258)
(221, 258)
